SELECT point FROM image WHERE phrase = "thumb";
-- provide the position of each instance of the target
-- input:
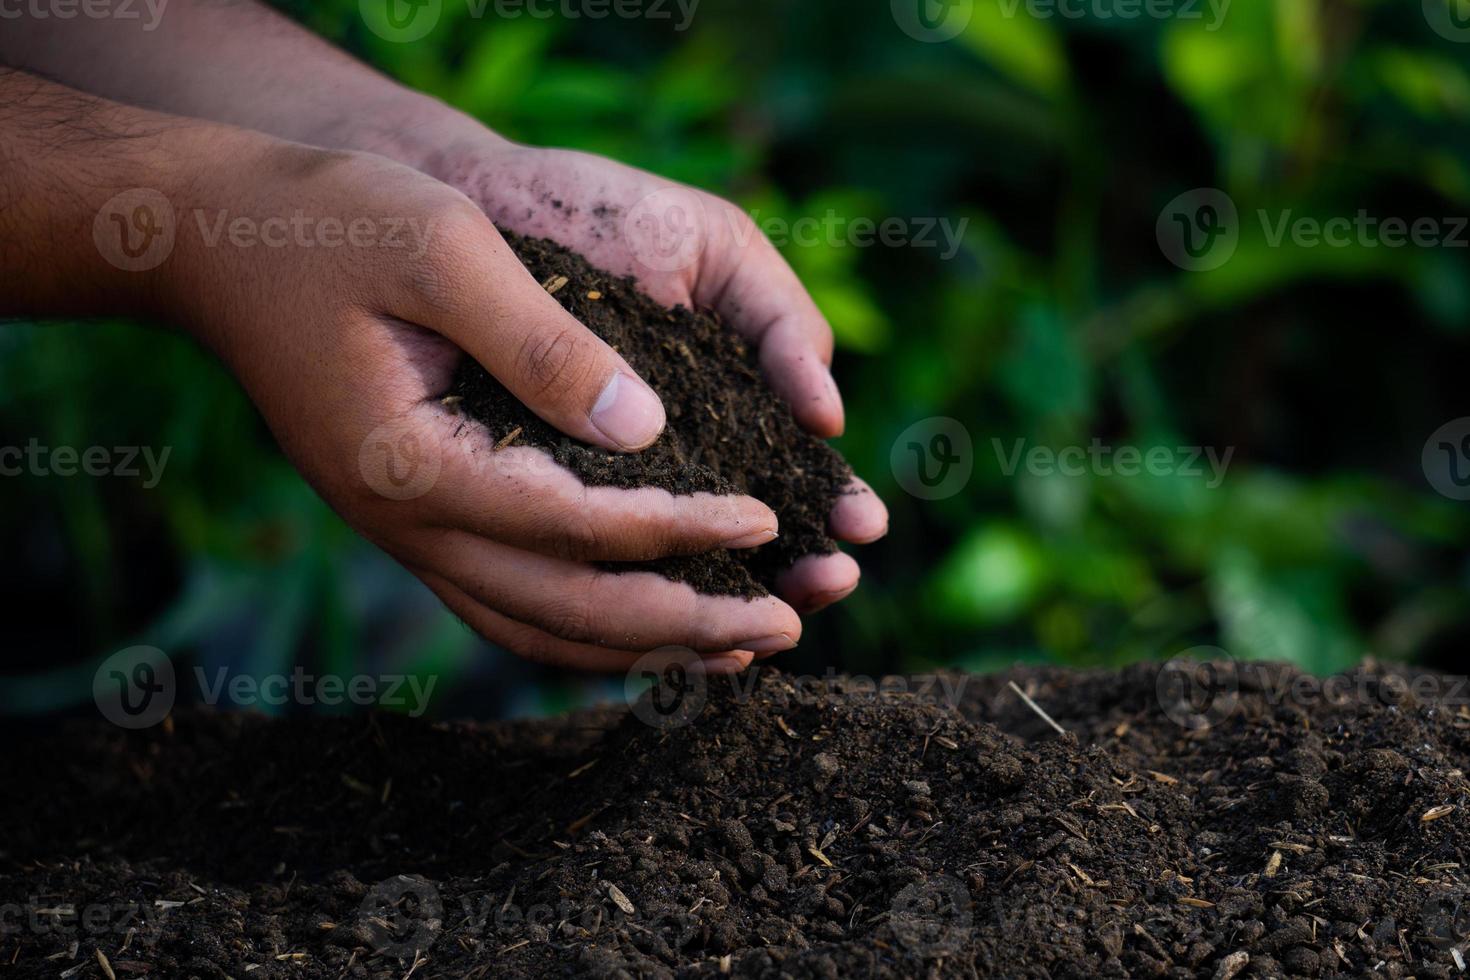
(483, 299)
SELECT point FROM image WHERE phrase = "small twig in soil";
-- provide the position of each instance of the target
(510, 437)
(1037, 708)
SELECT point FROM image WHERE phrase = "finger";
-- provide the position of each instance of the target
(757, 292)
(621, 610)
(817, 581)
(471, 288)
(858, 516)
(541, 647)
(521, 496)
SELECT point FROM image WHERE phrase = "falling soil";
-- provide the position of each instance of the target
(766, 826)
(727, 432)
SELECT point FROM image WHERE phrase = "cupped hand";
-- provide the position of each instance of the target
(686, 247)
(341, 288)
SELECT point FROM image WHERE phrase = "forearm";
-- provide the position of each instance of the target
(69, 243)
(239, 63)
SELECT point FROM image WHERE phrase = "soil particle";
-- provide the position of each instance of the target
(727, 431)
(894, 835)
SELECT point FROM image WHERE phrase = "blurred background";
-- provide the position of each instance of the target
(1060, 139)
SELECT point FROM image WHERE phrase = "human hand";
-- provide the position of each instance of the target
(347, 343)
(684, 247)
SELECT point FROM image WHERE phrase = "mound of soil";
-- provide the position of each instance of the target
(765, 826)
(727, 432)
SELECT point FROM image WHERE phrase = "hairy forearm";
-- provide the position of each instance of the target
(239, 63)
(88, 192)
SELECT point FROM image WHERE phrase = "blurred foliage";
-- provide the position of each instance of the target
(1058, 140)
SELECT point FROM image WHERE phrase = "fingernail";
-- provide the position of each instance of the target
(771, 644)
(723, 665)
(628, 413)
(753, 540)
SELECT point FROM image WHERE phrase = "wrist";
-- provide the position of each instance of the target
(414, 129)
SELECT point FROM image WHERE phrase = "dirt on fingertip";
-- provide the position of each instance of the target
(1231, 821)
(727, 432)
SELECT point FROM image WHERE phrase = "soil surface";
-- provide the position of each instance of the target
(727, 432)
(768, 826)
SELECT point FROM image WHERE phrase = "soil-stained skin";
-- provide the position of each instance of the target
(819, 828)
(727, 432)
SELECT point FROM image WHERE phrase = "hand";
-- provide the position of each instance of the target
(684, 247)
(347, 343)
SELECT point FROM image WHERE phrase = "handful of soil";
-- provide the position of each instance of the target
(727, 431)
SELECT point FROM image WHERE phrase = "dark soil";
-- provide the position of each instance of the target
(801, 829)
(728, 432)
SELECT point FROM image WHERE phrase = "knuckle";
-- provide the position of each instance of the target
(579, 536)
(454, 234)
(567, 616)
(550, 363)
